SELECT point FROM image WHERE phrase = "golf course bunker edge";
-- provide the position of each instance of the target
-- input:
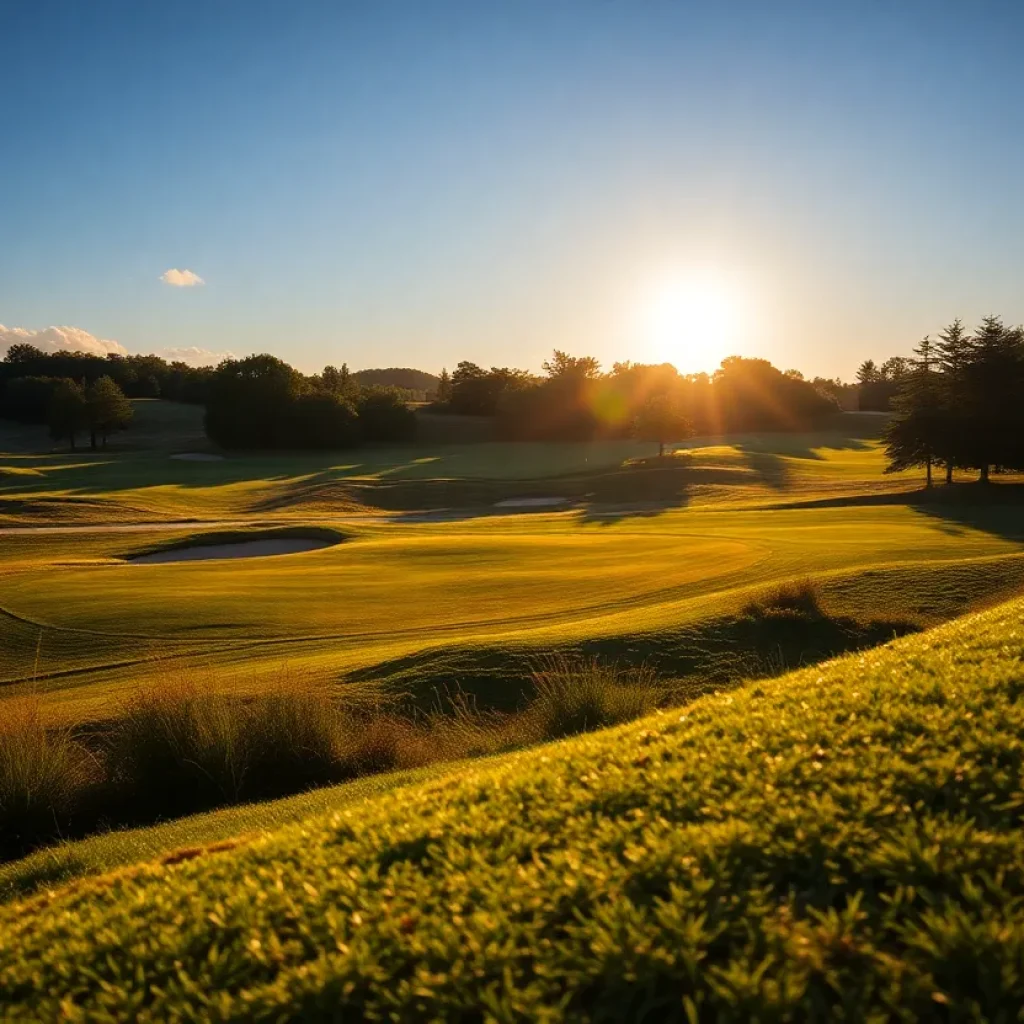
(221, 546)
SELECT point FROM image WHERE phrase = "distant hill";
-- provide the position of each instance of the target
(398, 377)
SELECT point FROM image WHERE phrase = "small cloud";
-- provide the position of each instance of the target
(59, 339)
(194, 356)
(181, 278)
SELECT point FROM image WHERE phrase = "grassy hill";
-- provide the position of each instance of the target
(398, 377)
(842, 843)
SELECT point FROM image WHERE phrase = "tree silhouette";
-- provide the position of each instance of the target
(662, 418)
(106, 409)
(914, 435)
(953, 351)
(67, 412)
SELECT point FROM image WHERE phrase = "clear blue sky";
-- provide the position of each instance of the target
(416, 183)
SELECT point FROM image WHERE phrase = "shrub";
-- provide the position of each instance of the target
(578, 696)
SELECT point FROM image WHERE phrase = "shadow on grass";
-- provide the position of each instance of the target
(996, 508)
(764, 639)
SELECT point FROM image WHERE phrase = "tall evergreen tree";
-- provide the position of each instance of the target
(994, 378)
(953, 351)
(444, 387)
(867, 372)
(914, 435)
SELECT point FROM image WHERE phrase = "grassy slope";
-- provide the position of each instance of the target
(59, 864)
(844, 842)
(529, 582)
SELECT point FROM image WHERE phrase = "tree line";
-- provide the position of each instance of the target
(958, 403)
(262, 402)
(99, 408)
(574, 400)
(137, 377)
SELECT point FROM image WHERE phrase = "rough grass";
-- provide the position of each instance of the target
(182, 747)
(574, 696)
(843, 843)
(44, 773)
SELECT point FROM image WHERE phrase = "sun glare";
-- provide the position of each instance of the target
(692, 321)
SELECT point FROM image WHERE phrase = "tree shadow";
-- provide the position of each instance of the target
(757, 642)
(996, 508)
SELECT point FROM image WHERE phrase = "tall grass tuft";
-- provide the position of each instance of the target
(44, 773)
(181, 746)
(294, 737)
(791, 599)
(574, 696)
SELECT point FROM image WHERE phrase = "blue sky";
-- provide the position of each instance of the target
(416, 183)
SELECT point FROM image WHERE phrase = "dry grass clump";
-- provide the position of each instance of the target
(187, 746)
(201, 747)
(791, 599)
(44, 772)
(574, 696)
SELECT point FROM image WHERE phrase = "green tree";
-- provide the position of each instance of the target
(107, 409)
(67, 412)
(867, 372)
(914, 435)
(339, 382)
(994, 378)
(444, 387)
(249, 402)
(561, 364)
(662, 418)
(23, 352)
(953, 351)
(895, 368)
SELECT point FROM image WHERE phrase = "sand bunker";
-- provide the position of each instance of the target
(234, 549)
(530, 502)
(198, 457)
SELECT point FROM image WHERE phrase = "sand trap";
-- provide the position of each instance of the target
(530, 502)
(198, 457)
(236, 549)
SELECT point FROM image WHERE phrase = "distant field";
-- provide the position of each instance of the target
(140, 481)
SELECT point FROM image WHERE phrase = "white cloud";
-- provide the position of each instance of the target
(56, 339)
(194, 356)
(181, 278)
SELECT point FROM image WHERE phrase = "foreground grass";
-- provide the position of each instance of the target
(842, 843)
(60, 864)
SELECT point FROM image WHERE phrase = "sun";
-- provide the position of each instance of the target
(692, 320)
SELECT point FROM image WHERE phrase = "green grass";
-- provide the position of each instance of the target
(59, 864)
(78, 624)
(139, 481)
(842, 843)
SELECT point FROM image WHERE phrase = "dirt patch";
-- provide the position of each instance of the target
(233, 549)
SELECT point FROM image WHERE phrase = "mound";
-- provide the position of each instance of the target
(843, 843)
